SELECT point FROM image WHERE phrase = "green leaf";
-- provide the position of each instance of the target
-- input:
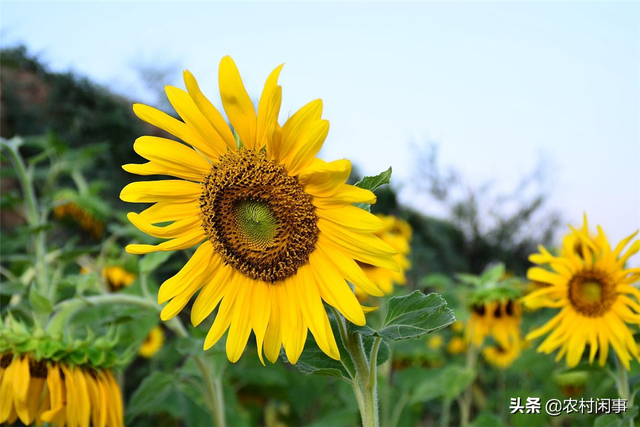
(487, 420)
(11, 288)
(156, 393)
(151, 261)
(411, 316)
(372, 183)
(608, 420)
(493, 274)
(40, 303)
(448, 383)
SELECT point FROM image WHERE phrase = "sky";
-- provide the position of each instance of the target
(496, 85)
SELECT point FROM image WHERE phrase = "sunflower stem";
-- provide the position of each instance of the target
(365, 384)
(622, 384)
(467, 397)
(33, 218)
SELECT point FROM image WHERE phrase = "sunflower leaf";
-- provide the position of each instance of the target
(371, 183)
(411, 316)
(40, 303)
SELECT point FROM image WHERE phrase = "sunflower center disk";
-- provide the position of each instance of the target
(257, 217)
(591, 293)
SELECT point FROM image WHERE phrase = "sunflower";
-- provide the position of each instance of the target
(501, 356)
(41, 391)
(457, 345)
(87, 221)
(594, 292)
(117, 277)
(435, 341)
(153, 343)
(397, 233)
(276, 227)
(500, 319)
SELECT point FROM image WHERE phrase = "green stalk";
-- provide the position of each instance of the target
(33, 219)
(622, 384)
(365, 384)
(466, 399)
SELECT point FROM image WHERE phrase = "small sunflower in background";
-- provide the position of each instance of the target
(43, 391)
(572, 384)
(117, 277)
(153, 343)
(495, 310)
(275, 227)
(593, 289)
(457, 345)
(500, 356)
(397, 233)
(435, 341)
(86, 211)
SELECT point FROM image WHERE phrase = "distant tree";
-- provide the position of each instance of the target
(496, 226)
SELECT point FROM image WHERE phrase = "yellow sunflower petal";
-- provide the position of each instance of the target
(171, 211)
(236, 102)
(273, 336)
(173, 126)
(306, 147)
(322, 178)
(196, 122)
(223, 318)
(260, 313)
(211, 294)
(185, 241)
(268, 110)
(166, 190)
(345, 195)
(210, 112)
(334, 290)
(297, 125)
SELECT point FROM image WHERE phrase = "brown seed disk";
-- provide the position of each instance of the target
(257, 217)
(592, 292)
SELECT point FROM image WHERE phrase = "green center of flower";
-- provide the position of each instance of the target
(591, 292)
(256, 222)
(257, 217)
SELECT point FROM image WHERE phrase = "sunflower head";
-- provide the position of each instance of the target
(572, 384)
(500, 356)
(275, 227)
(86, 211)
(457, 345)
(593, 288)
(153, 343)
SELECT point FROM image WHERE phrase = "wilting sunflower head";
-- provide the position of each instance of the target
(495, 311)
(117, 277)
(594, 290)
(572, 384)
(397, 233)
(276, 227)
(500, 356)
(86, 211)
(45, 391)
(457, 345)
(45, 378)
(153, 343)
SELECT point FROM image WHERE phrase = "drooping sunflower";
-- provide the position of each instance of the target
(39, 391)
(397, 233)
(87, 212)
(594, 292)
(500, 319)
(276, 228)
(153, 343)
(457, 345)
(501, 356)
(117, 277)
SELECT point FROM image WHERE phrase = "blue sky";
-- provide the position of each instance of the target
(496, 85)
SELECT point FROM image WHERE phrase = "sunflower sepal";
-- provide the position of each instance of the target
(372, 183)
(99, 353)
(410, 317)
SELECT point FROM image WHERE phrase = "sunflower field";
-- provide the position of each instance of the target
(202, 265)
